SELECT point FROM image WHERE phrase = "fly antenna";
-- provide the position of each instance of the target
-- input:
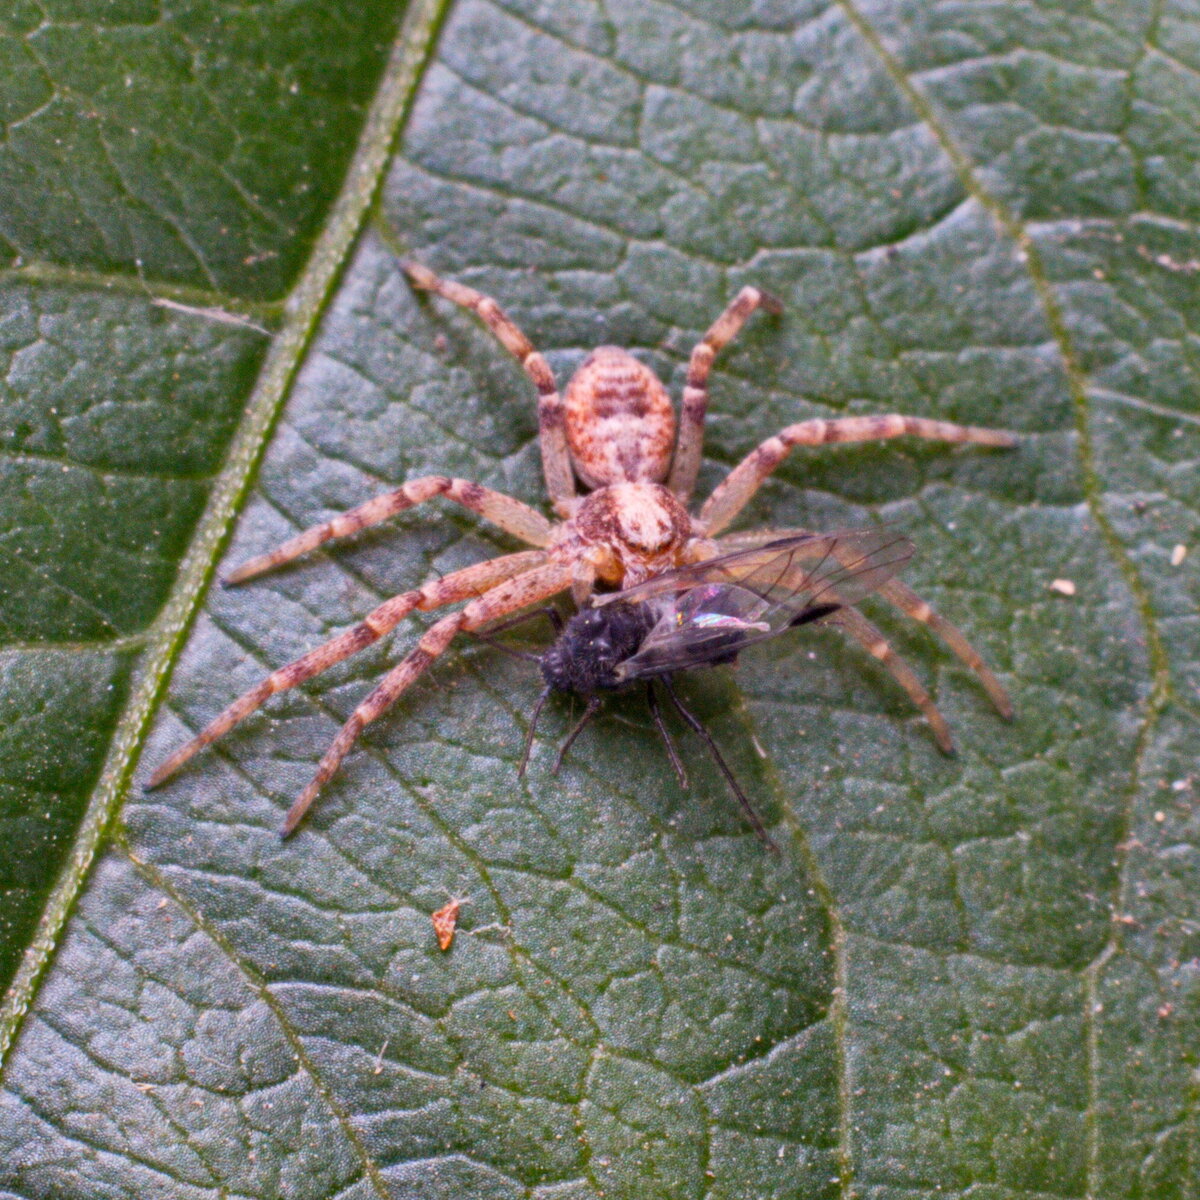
(742, 799)
(533, 720)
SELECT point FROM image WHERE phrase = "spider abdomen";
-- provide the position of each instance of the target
(620, 423)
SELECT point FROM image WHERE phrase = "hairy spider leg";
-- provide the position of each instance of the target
(528, 588)
(695, 725)
(873, 641)
(905, 599)
(552, 433)
(737, 488)
(695, 393)
(510, 515)
(459, 585)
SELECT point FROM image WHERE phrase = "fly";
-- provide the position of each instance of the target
(705, 615)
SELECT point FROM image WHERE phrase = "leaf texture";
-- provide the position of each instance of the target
(974, 976)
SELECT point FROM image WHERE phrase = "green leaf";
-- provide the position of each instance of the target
(971, 976)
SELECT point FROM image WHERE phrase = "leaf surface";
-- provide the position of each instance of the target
(969, 976)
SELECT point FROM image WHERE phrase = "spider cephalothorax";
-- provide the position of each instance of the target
(614, 431)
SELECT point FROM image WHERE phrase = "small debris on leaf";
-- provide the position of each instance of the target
(1178, 555)
(445, 921)
(1064, 587)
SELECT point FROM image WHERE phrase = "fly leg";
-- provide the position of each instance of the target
(742, 799)
(665, 734)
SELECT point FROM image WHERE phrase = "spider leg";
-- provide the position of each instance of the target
(905, 599)
(552, 433)
(538, 584)
(859, 628)
(510, 515)
(459, 585)
(695, 393)
(736, 489)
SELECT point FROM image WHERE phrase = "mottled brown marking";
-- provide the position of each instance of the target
(619, 419)
(472, 494)
(699, 367)
(641, 527)
(539, 371)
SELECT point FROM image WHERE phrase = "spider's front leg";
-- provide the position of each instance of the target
(736, 489)
(538, 584)
(459, 585)
(510, 515)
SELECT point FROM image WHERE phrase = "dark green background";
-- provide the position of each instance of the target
(977, 976)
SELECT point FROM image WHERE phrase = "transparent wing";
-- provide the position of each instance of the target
(711, 611)
(793, 569)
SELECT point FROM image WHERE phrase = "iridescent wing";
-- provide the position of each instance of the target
(709, 612)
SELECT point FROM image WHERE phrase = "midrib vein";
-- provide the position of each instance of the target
(167, 635)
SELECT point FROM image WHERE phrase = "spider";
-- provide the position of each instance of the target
(614, 432)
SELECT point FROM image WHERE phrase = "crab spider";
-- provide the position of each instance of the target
(614, 432)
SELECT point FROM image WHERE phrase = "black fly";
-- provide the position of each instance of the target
(705, 615)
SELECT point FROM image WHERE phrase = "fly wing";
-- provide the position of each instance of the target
(794, 570)
(713, 610)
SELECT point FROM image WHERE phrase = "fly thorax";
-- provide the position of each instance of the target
(588, 653)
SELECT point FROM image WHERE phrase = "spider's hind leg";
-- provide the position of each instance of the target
(909, 603)
(905, 599)
(552, 430)
(873, 641)
(695, 393)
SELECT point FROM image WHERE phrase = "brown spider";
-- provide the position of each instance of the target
(614, 430)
